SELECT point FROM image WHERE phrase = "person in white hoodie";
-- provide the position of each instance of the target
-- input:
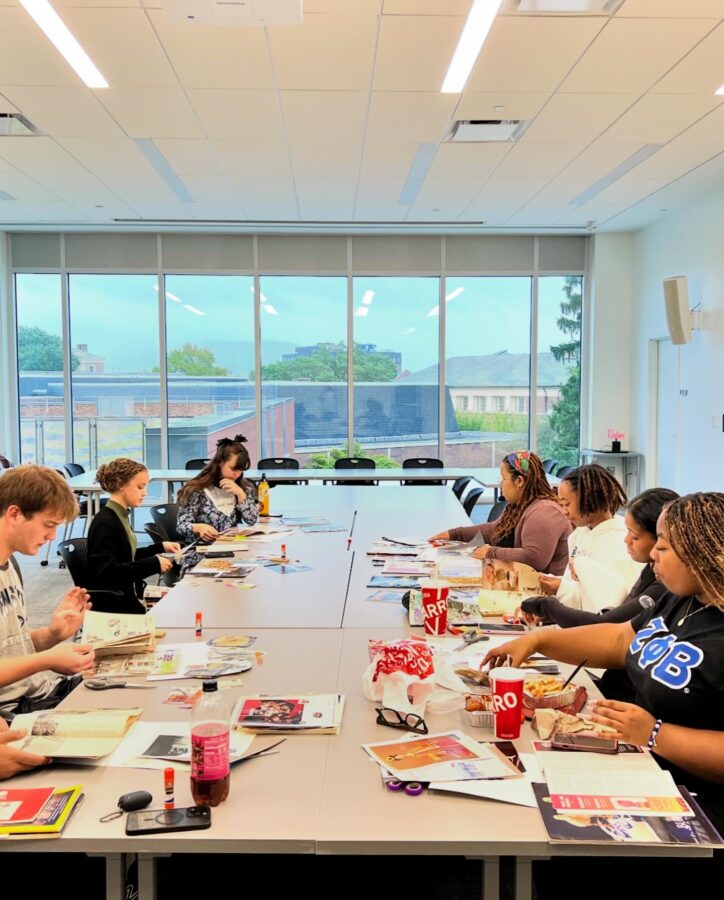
(600, 572)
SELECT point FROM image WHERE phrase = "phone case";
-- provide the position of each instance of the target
(157, 821)
(580, 742)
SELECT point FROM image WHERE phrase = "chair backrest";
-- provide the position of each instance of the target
(496, 510)
(5, 462)
(471, 498)
(193, 465)
(277, 462)
(355, 462)
(460, 484)
(74, 554)
(424, 462)
(565, 470)
(165, 515)
(549, 465)
(73, 469)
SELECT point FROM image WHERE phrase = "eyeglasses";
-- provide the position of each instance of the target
(395, 719)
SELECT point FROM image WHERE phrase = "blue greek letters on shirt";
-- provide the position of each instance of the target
(671, 661)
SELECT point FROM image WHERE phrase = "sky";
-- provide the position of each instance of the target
(117, 315)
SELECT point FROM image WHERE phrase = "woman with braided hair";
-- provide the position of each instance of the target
(533, 528)
(219, 497)
(673, 653)
(600, 571)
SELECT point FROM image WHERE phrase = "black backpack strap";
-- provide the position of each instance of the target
(15, 566)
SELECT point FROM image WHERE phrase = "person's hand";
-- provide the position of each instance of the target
(171, 546)
(69, 659)
(228, 485)
(69, 613)
(513, 653)
(205, 532)
(530, 619)
(482, 552)
(549, 584)
(441, 536)
(165, 565)
(12, 760)
(631, 723)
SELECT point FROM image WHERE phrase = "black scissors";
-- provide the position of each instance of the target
(103, 683)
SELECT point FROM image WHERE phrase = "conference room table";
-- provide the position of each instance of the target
(318, 794)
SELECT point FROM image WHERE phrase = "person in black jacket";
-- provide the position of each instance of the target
(115, 563)
(642, 514)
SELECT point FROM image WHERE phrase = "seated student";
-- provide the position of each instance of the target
(218, 498)
(642, 513)
(533, 528)
(672, 653)
(34, 501)
(115, 562)
(600, 572)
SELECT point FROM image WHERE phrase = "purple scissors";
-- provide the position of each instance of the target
(411, 788)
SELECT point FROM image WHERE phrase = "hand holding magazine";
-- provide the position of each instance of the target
(115, 634)
(79, 733)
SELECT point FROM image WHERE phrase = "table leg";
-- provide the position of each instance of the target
(147, 875)
(491, 878)
(523, 879)
(115, 875)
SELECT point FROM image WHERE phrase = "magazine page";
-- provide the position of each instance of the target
(288, 713)
(74, 733)
(115, 630)
(651, 793)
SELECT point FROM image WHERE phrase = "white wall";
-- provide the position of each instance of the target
(608, 334)
(689, 243)
(8, 377)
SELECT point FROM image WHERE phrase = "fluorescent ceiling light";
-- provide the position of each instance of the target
(434, 311)
(58, 34)
(261, 295)
(368, 297)
(623, 169)
(418, 172)
(453, 294)
(270, 309)
(193, 309)
(173, 297)
(719, 90)
(163, 169)
(478, 24)
(362, 310)
(411, 330)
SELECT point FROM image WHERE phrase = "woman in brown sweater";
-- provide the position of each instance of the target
(533, 528)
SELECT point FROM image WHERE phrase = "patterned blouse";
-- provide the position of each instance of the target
(200, 509)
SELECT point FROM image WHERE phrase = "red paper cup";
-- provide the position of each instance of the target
(507, 684)
(434, 607)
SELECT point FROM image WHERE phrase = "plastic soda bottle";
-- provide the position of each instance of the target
(210, 747)
(263, 496)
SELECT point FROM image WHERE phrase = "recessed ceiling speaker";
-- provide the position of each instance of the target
(678, 314)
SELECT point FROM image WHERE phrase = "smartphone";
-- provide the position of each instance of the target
(157, 821)
(562, 741)
(219, 554)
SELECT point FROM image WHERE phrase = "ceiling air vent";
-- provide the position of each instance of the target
(234, 12)
(486, 130)
(15, 125)
(561, 7)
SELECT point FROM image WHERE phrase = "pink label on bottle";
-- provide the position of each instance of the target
(209, 755)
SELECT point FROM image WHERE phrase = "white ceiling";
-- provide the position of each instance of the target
(322, 122)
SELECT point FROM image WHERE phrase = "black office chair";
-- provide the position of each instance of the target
(165, 517)
(269, 463)
(549, 465)
(496, 510)
(460, 484)
(5, 462)
(194, 465)
(471, 498)
(72, 469)
(355, 462)
(75, 556)
(423, 462)
(565, 470)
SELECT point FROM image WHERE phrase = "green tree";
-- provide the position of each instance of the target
(40, 351)
(561, 438)
(327, 460)
(193, 360)
(330, 364)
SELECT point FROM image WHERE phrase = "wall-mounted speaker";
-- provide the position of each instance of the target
(678, 314)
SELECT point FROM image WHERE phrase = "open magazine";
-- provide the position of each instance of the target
(115, 634)
(311, 714)
(79, 733)
(505, 586)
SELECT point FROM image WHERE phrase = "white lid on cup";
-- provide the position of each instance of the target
(506, 673)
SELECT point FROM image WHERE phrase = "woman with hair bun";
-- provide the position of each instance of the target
(115, 562)
(219, 497)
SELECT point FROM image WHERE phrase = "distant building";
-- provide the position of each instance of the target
(88, 362)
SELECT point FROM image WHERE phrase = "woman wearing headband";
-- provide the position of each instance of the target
(219, 497)
(533, 528)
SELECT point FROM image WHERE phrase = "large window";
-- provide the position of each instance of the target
(210, 363)
(304, 368)
(487, 355)
(558, 405)
(396, 342)
(40, 369)
(116, 383)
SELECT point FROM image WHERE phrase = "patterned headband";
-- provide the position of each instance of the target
(519, 461)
